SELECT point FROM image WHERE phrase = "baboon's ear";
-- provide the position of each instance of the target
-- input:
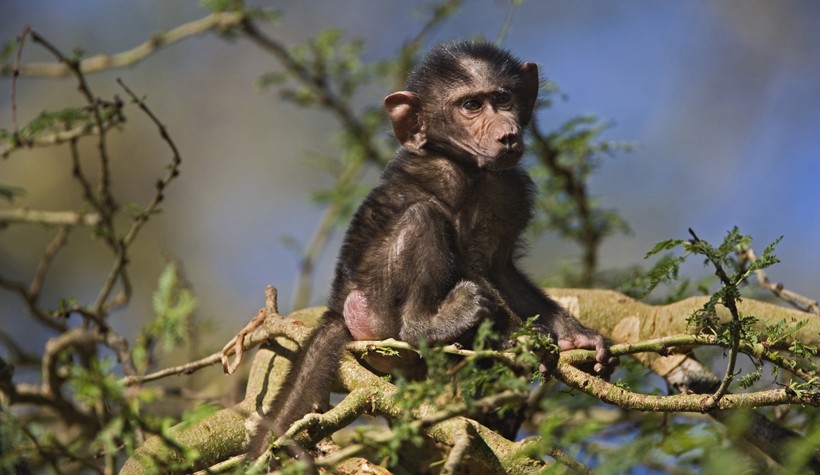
(403, 110)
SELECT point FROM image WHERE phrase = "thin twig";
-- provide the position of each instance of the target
(461, 442)
(118, 269)
(187, 368)
(249, 340)
(236, 344)
(73, 65)
(367, 346)
(621, 397)
(561, 457)
(45, 261)
(48, 218)
(104, 201)
(734, 330)
(78, 174)
(48, 393)
(271, 301)
(219, 21)
(57, 138)
(20, 41)
(798, 301)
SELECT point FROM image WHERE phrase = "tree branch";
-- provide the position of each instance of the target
(48, 218)
(801, 302)
(606, 311)
(219, 21)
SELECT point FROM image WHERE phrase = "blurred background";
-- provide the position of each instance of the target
(720, 99)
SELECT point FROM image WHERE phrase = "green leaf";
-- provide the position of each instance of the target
(664, 246)
(767, 258)
(174, 305)
(665, 270)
